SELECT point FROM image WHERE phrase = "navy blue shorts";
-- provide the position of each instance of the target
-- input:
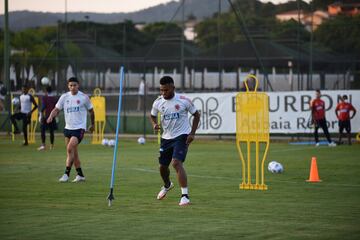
(173, 149)
(345, 125)
(79, 133)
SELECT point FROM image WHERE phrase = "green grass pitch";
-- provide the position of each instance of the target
(34, 205)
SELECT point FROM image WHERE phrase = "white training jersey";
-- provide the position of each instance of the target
(141, 88)
(25, 103)
(75, 109)
(174, 115)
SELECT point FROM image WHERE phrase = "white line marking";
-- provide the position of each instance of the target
(290, 149)
(229, 178)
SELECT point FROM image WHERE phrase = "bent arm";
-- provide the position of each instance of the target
(154, 124)
(92, 119)
(354, 113)
(195, 124)
(34, 103)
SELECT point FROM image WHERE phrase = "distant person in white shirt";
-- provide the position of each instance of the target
(141, 94)
(176, 137)
(26, 109)
(75, 104)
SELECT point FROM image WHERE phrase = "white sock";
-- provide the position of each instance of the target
(184, 190)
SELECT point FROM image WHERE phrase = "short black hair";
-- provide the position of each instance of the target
(49, 89)
(73, 79)
(166, 80)
(317, 90)
(344, 97)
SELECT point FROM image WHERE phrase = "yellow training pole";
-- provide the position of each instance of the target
(99, 104)
(252, 127)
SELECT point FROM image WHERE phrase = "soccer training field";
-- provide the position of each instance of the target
(34, 205)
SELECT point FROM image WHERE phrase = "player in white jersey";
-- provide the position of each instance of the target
(75, 105)
(176, 137)
(26, 109)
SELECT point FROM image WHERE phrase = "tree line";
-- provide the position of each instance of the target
(339, 35)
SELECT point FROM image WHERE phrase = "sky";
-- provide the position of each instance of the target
(100, 6)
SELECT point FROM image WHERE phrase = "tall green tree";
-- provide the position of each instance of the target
(118, 36)
(341, 34)
(321, 4)
(1, 43)
(162, 30)
(289, 31)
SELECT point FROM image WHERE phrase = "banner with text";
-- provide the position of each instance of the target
(289, 111)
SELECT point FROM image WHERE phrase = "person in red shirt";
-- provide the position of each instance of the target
(342, 112)
(318, 117)
(48, 104)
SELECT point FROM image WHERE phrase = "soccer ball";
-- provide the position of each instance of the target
(45, 81)
(105, 142)
(141, 140)
(111, 143)
(275, 167)
(15, 101)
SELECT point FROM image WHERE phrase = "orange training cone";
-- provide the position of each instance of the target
(314, 175)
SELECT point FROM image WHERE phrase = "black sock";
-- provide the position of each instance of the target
(185, 195)
(79, 172)
(167, 185)
(67, 171)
